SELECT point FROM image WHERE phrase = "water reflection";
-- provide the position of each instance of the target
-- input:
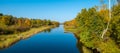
(79, 46)
(47, 31)
(49, 41)
(6, 41)
(84, 49)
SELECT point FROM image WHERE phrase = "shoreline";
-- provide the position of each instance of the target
(8, 40)
(98, 48)
(33, 31)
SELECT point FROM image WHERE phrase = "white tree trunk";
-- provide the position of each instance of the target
(105, 30)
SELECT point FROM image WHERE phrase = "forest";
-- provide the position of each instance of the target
(95, 29)
(90, 24)
(12, 25)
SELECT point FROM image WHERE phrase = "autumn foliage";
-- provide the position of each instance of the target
(91, 24)
(10, 24)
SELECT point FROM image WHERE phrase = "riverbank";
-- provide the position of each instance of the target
(7, 40)
(94, 44)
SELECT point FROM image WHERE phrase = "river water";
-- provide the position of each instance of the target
(52, 41)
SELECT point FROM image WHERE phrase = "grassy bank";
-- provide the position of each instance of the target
(94, 43)
(96, 30)
(7, 40)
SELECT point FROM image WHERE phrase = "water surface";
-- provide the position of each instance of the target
(54, 41)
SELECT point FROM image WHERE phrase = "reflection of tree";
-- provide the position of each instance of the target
(84, 49)
(47, 31)
(79, 46)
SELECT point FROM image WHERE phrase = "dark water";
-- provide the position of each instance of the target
(54, 41)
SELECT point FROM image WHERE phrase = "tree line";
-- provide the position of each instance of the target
(10, 24)
(90, 24)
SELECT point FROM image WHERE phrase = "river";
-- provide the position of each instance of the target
(53, 41)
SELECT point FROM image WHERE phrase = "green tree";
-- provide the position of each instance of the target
(1, 14)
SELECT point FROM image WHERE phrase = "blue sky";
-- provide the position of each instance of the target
(58, 10)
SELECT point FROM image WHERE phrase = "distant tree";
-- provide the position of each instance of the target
(118, 1)
(6, 19)
(48, 22)
(10, 24)
(1, 14)
(44, 22)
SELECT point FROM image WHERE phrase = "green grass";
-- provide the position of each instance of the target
(95, 42)
(7, 40)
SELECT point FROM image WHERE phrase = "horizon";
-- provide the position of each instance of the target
(55, 10)
(59, 26)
